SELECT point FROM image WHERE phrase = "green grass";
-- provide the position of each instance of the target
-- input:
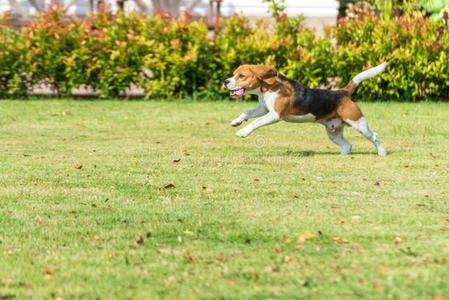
(252, 218)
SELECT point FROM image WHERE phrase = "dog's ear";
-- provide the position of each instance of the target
(267, 74)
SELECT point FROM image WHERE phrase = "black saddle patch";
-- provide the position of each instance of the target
(318, 102)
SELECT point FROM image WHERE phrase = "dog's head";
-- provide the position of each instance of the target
(250, 79)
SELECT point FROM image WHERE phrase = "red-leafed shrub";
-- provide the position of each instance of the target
(48, 44)
(12, 67)
(110, 53)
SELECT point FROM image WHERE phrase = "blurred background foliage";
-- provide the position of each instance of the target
(179, 57)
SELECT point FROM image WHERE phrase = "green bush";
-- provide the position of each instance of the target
(416, 49)
(110, 53)
(12, 74)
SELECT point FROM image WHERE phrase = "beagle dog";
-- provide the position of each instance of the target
(284, 99)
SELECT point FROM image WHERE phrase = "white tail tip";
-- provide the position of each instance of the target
(369, 73)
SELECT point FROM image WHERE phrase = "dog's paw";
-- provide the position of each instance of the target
(236, 122)
(381, 151)
(242, 133)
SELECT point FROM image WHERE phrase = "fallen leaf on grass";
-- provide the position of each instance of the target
(293, 196)
(278, 249)
(23, 284)
(220, 164)
(256, 179)
(38, 219)
(206, 188)
(176, 160)
(139, 241)
(78, 166)
(377, 183)
(447, 220)
(340, 240)
(169, 186)
(148, 234)
(305, 236)
(423, 236)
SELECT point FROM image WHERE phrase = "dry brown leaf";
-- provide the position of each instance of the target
(340, 240)
(176, 160)
(139, 241)
(169, 186)
(278, 249)
(38, 219)
(78, 166)
(148, 234)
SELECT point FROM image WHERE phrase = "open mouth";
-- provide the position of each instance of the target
(237, 93)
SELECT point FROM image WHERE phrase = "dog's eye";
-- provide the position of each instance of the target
(241, 76)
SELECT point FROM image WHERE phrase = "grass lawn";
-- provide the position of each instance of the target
(160, 200)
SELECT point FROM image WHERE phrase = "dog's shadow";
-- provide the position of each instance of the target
(306, 153)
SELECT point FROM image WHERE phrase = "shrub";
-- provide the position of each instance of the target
(48, 44)
(417, 51)
(168, 57)
(12, 73)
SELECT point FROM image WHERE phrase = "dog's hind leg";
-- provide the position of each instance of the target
(336, 136)
(361, 125)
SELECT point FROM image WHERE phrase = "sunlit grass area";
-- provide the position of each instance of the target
(160, 200)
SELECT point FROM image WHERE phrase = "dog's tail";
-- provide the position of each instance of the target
(364, 75)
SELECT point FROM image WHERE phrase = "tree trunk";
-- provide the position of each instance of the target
(172, 6)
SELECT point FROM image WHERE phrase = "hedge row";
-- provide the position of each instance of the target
(110, 52)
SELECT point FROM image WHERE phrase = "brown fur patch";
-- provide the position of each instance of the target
(350, 87)
(349, 110)
(284, 104)
(251, 77)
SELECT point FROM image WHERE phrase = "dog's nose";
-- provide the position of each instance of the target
(226, 82)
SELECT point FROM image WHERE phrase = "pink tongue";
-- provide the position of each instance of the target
(239, 92)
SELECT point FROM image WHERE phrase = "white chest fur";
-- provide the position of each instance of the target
(269, 98)
(300, 119)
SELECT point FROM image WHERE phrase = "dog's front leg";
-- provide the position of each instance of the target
(270, 118)
(255, 112)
